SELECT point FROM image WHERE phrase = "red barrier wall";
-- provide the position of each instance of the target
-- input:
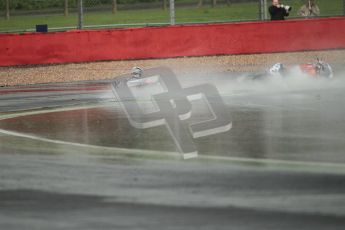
(172, 41)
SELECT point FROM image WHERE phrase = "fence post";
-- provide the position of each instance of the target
(66, 8)
(80, 14)
(164, 5)
(265, 10)
(114, 7)
(7, 9)
(200, 3)
(172, 12)
(261, 10)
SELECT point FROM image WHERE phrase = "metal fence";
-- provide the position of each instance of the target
(24, 15)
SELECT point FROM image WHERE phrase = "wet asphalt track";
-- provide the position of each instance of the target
(69, 159)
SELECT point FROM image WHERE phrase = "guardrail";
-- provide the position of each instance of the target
(23, 15)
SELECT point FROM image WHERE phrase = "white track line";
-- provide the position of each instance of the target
(123, 150)
(308, 166)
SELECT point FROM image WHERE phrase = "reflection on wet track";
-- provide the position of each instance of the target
(70, 158)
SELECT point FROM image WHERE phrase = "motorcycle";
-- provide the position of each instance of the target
(317, 69)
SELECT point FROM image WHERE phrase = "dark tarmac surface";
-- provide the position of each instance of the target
(70, 158)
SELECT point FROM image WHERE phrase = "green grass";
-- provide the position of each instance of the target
(234, 12)
(128, 17)
(183, 15)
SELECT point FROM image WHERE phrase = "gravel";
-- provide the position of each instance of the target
(33, 74)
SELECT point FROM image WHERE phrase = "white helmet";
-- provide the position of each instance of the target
(276, 69)
(137, 72)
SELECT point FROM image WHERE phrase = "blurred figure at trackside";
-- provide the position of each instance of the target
(309, 9)
(278, 11)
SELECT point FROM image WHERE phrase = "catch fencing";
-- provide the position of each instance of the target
(60, 15)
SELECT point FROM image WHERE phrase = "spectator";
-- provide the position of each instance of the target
(310, 9)
(278, 11)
